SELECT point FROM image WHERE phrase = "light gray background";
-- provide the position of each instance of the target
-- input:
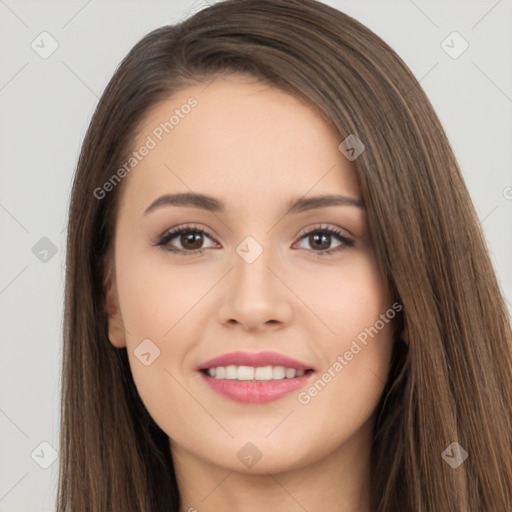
(46, 105)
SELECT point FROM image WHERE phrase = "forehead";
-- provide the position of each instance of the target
(240, 140)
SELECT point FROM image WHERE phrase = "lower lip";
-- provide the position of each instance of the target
(256, 392)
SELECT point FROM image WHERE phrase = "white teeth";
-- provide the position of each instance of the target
(289, 373)
(278, 372)
(234, 372)
(245, 373)
(231, 372)
(263, 373)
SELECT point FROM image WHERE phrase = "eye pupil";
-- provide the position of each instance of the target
(191, 236)
(323, 238)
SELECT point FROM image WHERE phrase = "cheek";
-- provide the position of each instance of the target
(157, 298)
(350, 383)
(350, 299)
(356, 350)
(159, 306)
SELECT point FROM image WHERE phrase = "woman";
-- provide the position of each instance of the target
(371, 372)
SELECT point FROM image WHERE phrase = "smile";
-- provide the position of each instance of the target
(255, 377)
(260, 373)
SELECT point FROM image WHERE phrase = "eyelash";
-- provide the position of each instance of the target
(162, 243)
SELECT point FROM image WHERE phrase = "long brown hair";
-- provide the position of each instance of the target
(451, 381)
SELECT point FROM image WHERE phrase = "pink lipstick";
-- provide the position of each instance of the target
(255, 377)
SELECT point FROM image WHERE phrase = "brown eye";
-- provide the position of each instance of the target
(320, 239)
(186, 240)
(191, 240)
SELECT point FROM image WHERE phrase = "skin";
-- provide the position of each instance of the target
(255, 148)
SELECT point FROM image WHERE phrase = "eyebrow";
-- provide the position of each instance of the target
(211, 204)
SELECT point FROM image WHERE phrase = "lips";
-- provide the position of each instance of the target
(255, 391)
(255, 359)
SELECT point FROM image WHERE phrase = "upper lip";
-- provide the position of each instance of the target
(255, 359)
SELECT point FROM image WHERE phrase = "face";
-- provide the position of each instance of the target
(249, 274)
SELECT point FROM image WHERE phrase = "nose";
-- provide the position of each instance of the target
(255, 295)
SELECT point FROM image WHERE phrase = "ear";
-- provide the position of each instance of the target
(116, 332)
